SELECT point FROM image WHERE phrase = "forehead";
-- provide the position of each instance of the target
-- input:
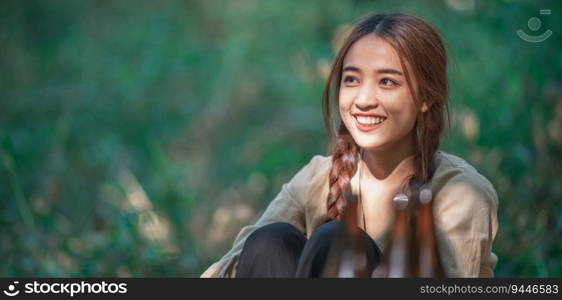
(372, 52)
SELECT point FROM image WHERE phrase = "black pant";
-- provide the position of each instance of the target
(281, 250)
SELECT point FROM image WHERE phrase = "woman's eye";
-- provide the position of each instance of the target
(349, 79)
(388, 82)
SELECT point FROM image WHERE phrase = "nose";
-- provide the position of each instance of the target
(366, 98)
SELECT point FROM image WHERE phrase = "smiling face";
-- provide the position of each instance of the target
(375, 101)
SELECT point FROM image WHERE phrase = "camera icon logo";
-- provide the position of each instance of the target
(12, 290)
(534, 24)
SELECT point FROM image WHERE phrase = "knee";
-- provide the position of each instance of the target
(273, 238)
(326, 232)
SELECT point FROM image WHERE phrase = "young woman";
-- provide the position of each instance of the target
(389, 85)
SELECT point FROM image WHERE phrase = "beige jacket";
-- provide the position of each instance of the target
(465, 210)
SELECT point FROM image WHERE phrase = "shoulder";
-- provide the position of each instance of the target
(314, 171)
(320, 162)
(457, 180)
(465, 210)
(310, 181)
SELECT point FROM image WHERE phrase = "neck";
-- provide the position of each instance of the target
(390, 165)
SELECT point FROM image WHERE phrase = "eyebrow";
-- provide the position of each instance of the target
(379, 71)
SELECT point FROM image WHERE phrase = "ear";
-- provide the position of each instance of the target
(424, 107)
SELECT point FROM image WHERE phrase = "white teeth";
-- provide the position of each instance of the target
(369, 120)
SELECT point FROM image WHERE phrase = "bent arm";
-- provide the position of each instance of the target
(466, 221)
(287, 207)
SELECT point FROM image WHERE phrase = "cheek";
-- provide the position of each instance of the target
(345, 101)
(402, 109)
(345, 98)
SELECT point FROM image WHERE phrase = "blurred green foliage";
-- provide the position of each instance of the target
(137, 138)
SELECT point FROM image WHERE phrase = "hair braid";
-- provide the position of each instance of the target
(344, 166)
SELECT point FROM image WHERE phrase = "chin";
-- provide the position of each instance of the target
(369, 144)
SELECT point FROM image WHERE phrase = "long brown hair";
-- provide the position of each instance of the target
(422, 54)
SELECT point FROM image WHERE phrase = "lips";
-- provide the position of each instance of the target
(368, 122)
